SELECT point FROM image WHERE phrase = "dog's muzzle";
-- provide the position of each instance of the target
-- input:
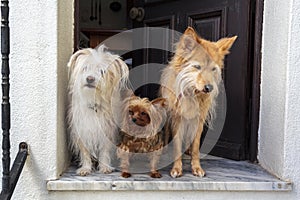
(90, 82)
(90, 79)
(208, 88)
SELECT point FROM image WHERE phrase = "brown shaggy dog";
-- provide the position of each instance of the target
(190, 85)
(141, 132)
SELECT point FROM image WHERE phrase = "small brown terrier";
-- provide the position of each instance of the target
(190, 86)
(141, 132)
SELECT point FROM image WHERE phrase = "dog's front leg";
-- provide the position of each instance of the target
(105, 161)
(123, 155)
(195, 162)
(85, 160)
(167, 132)
(154, 159)
(177, 133)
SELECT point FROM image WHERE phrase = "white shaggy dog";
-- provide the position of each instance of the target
(96, 80)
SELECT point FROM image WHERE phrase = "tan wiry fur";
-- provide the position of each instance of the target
(197, 64)
(92, 128)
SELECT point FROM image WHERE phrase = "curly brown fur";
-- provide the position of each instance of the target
(141, 132)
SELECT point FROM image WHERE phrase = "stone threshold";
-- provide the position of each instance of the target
(221, 175)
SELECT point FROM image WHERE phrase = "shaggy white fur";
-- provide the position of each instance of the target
(96, 78)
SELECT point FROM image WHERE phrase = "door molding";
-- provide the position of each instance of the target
(257, 9)
(76, 25)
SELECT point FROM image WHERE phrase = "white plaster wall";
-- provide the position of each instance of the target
(292, 114)
(41, 43)
(273, 87)
(65, 30)
(279, 132)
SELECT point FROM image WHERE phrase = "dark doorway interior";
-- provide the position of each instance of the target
(96, 20)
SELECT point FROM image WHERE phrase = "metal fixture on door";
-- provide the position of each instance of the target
(137, 14)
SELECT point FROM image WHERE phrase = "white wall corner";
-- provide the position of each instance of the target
(65, 48)
(279, 132)
(41, 34)
(273, 85)
(292, 126)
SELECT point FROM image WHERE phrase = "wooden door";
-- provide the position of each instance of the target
(212, 19)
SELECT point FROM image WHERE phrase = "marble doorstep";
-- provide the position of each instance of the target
(221, 175)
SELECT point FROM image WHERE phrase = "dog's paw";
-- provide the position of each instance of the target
(198, 171)
(106, 169)
(155, 174)
(125, 174)
(176, 172)
(84, 171)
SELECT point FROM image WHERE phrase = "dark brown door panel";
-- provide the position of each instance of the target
(212, 19)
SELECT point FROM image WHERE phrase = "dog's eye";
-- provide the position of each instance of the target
(214, 69)
(143, 113)
(197, 67)
(101, 72)
(130, 112)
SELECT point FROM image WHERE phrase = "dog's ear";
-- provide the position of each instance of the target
(75, 56)
(101, 48)
(159, 101)
(126, 93)
(225, 44)
(188, 40)
(132, 96)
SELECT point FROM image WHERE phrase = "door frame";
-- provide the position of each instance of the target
(257, 7)
(256, 23)
(76, 25)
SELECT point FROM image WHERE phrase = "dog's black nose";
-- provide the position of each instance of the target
(208, 88)
(134, 119)
(90, 79)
